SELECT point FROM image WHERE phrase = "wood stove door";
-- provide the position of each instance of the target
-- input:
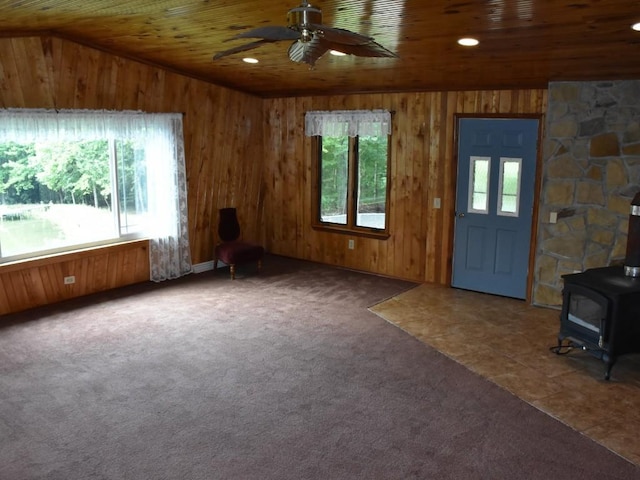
(494, 204)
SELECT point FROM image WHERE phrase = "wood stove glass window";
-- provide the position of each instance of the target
(585, 311)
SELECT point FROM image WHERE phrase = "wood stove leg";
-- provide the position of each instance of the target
(608, 366)
(232, 269)
(259, 265)
(561, 348)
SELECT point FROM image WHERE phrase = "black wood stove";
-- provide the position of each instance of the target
(601, 314)
(601, 307)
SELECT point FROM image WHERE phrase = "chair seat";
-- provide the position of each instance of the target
(233, 253)
(231, 250)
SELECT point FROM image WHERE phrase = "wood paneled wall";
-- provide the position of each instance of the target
(40, 282)
(250, 153)
(423, 168)
(223, 145)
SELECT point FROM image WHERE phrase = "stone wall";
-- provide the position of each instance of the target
(591, 171)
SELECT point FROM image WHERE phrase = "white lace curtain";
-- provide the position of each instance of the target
(338, 123)
(166, 178)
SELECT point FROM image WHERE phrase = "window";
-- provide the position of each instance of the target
(351, 173)
(479, 185)
(74, 179)
(56, 194)
(509, 188)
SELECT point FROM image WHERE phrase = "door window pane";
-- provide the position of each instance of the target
(479, 185)
(509, 187)
(334, 178)
(372, 182)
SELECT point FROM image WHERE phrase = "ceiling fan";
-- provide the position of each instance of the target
(311, 38)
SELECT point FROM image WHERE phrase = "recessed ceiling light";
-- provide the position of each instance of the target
(337, 53)
(250, 60)
(636, 26)
(468, 42)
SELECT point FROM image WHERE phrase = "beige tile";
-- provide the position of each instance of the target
(618, 436)
(572, 407)
(527, 384)
(451, 347)
(508, 341)
(489, 363)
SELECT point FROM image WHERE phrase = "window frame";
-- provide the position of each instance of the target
(350, 228)
(157, 135)
(117, 225)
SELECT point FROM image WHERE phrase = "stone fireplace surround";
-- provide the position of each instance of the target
(591, 172)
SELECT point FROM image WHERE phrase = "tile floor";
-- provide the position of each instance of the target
(507, 341)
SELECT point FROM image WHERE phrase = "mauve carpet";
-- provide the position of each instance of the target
(282, 375)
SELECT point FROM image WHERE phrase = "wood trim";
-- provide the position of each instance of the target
(73, 255)
(354, 158)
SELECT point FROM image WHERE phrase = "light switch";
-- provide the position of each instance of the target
(436, 203)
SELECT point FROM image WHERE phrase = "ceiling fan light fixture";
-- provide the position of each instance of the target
(337, 53)
(250, 60)
(636, 27)
(306, 35)
(468, 42)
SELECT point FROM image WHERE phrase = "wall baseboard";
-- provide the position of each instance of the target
(207, 266)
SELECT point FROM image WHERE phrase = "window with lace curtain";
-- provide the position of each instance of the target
(76, 179)
(351, 152)
(60, 194)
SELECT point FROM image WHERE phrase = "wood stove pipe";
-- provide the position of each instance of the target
(632, 259)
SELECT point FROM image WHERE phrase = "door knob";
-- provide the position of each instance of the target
(461, 214)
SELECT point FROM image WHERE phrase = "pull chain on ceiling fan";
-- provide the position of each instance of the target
(311, 38)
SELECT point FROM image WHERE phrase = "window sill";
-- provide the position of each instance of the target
(356, 232)
(70, 254)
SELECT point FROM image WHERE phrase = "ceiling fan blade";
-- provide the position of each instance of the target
(270, 32)
(308, 52)
(340, 35)
(312, 38)
(371, 49)
(241, 48)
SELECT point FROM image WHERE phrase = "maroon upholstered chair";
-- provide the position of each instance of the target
(230, 249)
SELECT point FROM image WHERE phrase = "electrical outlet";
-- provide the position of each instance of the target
(553, 217)
(70, 279)
(352, 244)
(436, 203)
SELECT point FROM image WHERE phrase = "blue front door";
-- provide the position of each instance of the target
(494, 205)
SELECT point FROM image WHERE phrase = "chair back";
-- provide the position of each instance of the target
(228, 226)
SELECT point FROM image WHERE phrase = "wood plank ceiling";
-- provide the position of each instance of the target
(523, 43)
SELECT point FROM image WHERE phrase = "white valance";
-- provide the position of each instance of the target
(28, 125)
(340, 123)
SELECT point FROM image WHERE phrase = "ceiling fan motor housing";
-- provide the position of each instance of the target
(302, 19)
